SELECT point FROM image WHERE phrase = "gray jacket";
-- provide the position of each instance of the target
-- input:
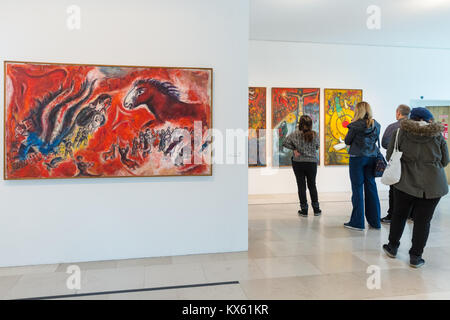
(388, 132)
(425, 155)
(307, 150)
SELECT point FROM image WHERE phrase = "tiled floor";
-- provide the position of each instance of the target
(289, 258)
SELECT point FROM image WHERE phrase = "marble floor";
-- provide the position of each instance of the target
(288, 258)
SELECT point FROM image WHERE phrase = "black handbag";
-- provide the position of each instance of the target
(380, 164)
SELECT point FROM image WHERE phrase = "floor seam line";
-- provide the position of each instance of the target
(132, 290)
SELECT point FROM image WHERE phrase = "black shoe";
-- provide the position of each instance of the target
(316, 209)
(391, 252)
(416, 261)
(302, 213)
(386, 220)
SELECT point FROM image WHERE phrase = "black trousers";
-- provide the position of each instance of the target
(423, 213)
(391, 204)
(391, 201)
(305, 173)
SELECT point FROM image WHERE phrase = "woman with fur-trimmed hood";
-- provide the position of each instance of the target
(423, 181)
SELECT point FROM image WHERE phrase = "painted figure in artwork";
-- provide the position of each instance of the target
(162, 99)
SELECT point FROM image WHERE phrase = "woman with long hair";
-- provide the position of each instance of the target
(363, 134)
(305, 143)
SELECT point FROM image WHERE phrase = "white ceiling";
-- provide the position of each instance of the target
(408, 23)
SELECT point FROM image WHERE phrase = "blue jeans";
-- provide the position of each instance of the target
(365, 195)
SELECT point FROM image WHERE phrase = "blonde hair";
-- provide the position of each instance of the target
(363, 111)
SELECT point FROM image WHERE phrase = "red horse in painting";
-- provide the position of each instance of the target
(162, 99)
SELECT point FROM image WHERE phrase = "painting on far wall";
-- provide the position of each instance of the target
(288, 104)
(88, 121)
(257, 127)
(339, 105)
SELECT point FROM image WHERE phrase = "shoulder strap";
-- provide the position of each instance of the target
(396, 140)
(379, 145)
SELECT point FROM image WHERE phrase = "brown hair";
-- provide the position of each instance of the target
(305, 125)
(363, 111)
(404, 110)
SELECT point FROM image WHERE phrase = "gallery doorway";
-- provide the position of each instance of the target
(441, 114)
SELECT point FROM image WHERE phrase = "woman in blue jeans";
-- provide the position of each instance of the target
(363, 134)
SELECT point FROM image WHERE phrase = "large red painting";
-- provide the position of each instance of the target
(80, 121)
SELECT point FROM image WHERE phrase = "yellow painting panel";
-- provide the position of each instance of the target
(339, 107)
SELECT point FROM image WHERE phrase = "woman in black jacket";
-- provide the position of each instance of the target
(363, 134)
(423, 181)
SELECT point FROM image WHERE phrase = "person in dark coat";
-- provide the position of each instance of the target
(363, 134)
(423, 181)
(402, 113)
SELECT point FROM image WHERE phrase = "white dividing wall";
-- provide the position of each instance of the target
(83, 220)
(389, 76)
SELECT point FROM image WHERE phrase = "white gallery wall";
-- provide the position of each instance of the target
(100, 219)
(388, 76)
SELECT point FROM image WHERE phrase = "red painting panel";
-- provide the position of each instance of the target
(85, 121)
